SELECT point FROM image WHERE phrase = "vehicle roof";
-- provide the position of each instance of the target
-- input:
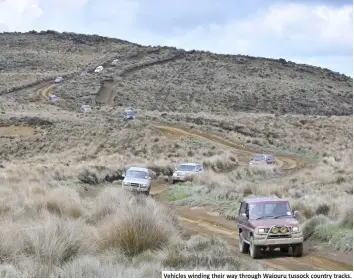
(139, 169)
(86, 106)
(263, 199)
(189, 164)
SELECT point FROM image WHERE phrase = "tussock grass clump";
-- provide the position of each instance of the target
(51, 240)
(335, 234)
(64, 201)
(225, 162)
(89, 176)
(205, 253)
(139, 226)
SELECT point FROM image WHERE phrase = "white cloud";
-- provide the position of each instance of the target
(16, 14)
(282, 30)
(279, 29)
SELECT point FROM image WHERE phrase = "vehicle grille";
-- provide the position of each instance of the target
(134, 184)
(279, 235)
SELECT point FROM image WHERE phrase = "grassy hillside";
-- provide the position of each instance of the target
(172, 80)
(60, 170)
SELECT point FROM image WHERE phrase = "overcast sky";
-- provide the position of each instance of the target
(307, 31)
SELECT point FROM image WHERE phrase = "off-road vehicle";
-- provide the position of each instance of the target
(262, 159)
(137, 180)
(59, 80)
(129, 115)
(268, 223)
(186, 169)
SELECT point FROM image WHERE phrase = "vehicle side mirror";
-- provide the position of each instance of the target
(244, 215)
(296, 214)
(175, 169)
(149, 177)
(123, 174)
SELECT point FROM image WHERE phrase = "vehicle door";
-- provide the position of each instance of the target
(242, 219)
(198, 169)
(201, 168)
(247, 225)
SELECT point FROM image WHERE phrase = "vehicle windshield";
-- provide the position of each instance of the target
(186, 168)
(258, 158)
(136, 174)
(269, 210)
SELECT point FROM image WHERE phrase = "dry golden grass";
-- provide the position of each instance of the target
(52, 231)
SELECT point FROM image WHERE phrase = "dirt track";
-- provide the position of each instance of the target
(285, 163)
(44, 91)
(107, 93)
(207, 222)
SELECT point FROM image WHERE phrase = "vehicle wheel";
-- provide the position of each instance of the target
(284, 250)
(298, 250)
(174, 181)
(255, 251)
(243, 246)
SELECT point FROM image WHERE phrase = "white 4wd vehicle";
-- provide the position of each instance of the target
(137, 180)
(99, 69)
(186, 169)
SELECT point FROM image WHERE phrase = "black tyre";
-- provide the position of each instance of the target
(243, 246)
(298, 250)
(255, 251)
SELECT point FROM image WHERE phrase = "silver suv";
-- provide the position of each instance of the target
(137, 180)
(186, 169)
(262, 159)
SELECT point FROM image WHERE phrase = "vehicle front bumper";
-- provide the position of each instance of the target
(136, 189)
(179, 178)
(263, 240)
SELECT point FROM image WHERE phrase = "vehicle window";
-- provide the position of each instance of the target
(186, 168)
(136, 174)
(269, 210)
(242, 208)
(258, 158)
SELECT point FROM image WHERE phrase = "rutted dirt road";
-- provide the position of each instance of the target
(205, 221)
(108, 93)
(44, 92)
(285, 163)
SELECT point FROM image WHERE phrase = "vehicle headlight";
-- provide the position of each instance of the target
(295, 229)
(174, 174)
(261, 231)
(126, 183)
(143, 185)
